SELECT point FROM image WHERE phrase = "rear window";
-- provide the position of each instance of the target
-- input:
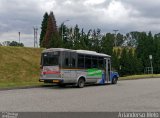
(50, 58)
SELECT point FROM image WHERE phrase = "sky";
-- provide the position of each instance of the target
(124, 15)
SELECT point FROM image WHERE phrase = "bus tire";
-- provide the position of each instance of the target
(81, 83)
(114, 80)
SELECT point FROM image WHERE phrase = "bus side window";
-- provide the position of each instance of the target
(66, 62)
(101, 64)
(94, 62)
(88, 62)
(73, 59)
(73, 62)
(80, 61)
(65, 59)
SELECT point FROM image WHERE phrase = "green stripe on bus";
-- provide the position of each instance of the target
(94, 72)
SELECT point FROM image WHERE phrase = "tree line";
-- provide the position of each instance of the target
(11, 43)
(130, 55)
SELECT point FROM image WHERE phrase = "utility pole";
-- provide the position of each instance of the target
(115, 40)
(19, 36)
(35, 36)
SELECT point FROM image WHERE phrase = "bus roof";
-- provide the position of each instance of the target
(77, 51)
(56, 49)
(91, 53)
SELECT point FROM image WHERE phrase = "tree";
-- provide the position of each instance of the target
(115, 60)
(67, 36)
(145, 48)
(156, 55)
(137, 64)
(14, 43)
(96, 40)
(131, 39)
(107, 43)
(43, 29)
(126, 62)
(51, 38)
(88, 40)
(119, 39)
(76, 37)
(6, 43)
(83, 40)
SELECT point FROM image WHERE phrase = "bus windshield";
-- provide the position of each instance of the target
(50, 59)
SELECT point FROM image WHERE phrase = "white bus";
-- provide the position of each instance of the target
(78, 67)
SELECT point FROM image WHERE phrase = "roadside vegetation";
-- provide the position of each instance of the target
(19, 66)
(144, 76)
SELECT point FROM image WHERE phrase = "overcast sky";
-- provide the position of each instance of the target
(124, 15)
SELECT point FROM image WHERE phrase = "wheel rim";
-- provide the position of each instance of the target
(81, 83)
(115, 80)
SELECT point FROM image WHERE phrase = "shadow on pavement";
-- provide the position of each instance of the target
(52, 86)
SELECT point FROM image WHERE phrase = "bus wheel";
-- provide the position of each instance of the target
(81, 83)
(114, 80)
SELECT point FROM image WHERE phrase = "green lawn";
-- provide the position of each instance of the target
(146, 76)
(19, 66)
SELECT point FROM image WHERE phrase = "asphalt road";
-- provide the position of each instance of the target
(128, 95)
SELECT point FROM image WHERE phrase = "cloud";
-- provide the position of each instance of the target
(93, 2)
(125, 15)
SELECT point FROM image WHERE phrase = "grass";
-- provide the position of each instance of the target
(19, 66)
(146, 76)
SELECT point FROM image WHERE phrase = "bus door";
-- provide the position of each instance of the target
(107, 69)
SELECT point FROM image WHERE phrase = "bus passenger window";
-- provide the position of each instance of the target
(94, 62)
(80, 61)
(66, 62)
(73, 62)
(88, 62)
(101, 64)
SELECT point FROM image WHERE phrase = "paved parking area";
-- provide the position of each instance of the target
(127, 95)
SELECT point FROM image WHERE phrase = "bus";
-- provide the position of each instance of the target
(77, 67)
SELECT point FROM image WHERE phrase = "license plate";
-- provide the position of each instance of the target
(56, 81)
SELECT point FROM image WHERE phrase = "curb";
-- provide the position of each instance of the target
(139, 78)
(23, 87)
